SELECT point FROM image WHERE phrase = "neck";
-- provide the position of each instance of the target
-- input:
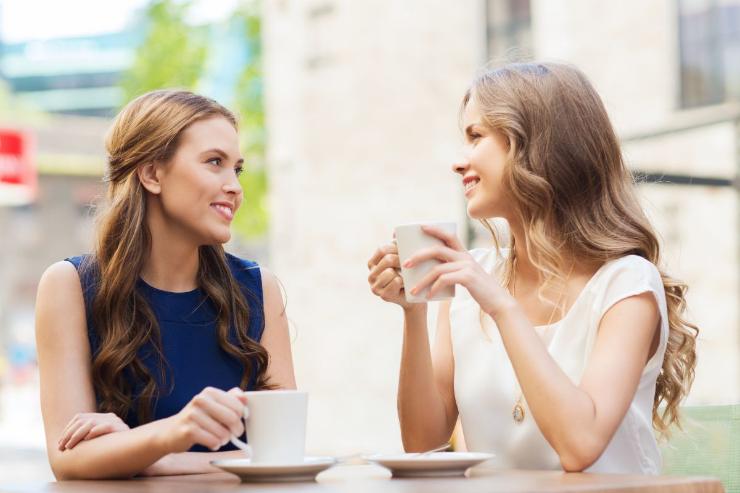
(172, 263)
(525, 269)
(528, 274)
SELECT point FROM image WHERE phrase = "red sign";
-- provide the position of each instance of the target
(18, 180)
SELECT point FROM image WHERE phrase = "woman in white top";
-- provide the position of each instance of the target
(566, 349)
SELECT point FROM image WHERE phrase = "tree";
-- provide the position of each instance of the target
(172, 53)
(253, 218)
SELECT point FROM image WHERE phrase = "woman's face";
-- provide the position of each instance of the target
(199, 186)
(482, 167)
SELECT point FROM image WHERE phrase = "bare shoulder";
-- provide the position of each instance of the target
(61, 282)
(59, 275)
(271, 291)
(59, 296)
(269, 281)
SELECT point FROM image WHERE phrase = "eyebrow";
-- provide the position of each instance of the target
(222, 154)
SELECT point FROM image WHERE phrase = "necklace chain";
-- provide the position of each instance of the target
(518, 413)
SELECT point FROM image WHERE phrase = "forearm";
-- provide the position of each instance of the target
(564, 413)
(115, 455)
(189, 463)
(421, 410)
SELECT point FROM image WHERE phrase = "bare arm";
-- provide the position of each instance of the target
(426, 398)
(579, 420)
(66, 387)
(66, 390)
(276, 338)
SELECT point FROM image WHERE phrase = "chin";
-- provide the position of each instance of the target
(218, 237)
(476, 213)
(483, 209)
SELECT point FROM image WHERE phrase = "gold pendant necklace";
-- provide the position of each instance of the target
(518, 412)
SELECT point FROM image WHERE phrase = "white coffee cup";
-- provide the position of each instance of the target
(276, 426)
(410, 239)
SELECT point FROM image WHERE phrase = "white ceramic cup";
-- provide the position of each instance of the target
(276, 426)
(410, 239)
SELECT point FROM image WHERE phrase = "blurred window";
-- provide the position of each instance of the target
(709, 43)
(509, 29)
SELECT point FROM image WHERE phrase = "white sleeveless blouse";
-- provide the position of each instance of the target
(485, 384)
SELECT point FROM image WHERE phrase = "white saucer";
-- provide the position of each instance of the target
(272, 473)
(436, 464)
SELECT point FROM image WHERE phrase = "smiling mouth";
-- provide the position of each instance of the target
(471, 184)
(225, 211)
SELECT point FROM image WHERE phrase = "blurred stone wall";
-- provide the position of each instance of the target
(362, 101)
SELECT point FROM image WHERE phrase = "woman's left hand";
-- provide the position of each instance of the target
(458, 267)
(86, 426)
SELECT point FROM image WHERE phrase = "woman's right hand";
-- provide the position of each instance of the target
(210, 419)
(385, 276)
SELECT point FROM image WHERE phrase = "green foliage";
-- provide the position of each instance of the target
(172, 54)
(252, 220)
(248, 92)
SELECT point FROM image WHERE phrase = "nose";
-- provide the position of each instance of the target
(461, 166)
(232, 185)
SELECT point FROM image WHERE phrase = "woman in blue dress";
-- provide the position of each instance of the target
(147, 344)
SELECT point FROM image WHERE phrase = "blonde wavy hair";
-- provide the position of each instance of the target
(573, 193)
(149, 129)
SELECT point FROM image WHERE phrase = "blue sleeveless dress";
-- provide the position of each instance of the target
(187, 324)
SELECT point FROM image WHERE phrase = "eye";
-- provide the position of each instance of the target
(474, 136)
(215, 160)
(239, 170)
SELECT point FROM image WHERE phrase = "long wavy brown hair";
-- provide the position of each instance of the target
(573, 194)
(148, 130)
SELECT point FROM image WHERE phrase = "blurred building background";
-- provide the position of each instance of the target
(353, 108)
(362, 102)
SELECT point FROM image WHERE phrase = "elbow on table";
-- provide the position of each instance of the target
(66, 470)
(580, 456)
(420, 442)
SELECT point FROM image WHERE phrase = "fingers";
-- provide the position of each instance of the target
(67, 432)
(86, 426)
(443, 253)
(392, 290)
(389, 261)
(207, 439)
(227, 399)
(433, 276)
(216, 434)
(79, 434)
(382, 251)
(99, 430)
(447, 279)
(449, 239)
(211, 403)
(73, 425)
(384, 279)
(239, 394)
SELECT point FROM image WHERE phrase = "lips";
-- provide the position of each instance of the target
(469, 183)
(224, 209)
